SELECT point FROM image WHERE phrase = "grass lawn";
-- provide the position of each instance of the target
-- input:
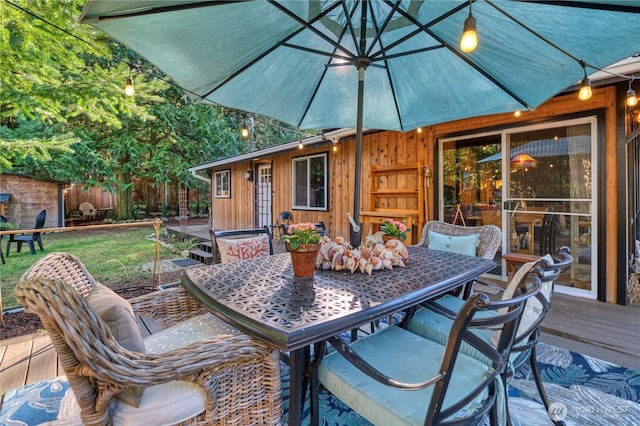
(113, 256)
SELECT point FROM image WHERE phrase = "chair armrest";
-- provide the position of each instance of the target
(205, 363)
(167, 307)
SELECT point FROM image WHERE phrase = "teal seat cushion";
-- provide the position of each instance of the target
(463, 244)
(406, 357)
(433, 326)
(436, 327)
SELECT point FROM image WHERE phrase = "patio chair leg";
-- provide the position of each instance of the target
(19, 248)
(2, 255)
(538, 379)
(32, 247)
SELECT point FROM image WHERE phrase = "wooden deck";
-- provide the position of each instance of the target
(597, 329)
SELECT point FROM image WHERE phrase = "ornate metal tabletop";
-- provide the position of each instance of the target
(261, 296)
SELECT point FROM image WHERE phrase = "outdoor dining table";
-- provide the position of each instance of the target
(261, 297)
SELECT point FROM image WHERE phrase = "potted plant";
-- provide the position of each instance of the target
(394, 229)
(303, 242)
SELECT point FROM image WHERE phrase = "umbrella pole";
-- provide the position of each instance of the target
(356, 231)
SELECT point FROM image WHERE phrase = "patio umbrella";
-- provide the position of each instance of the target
(379, 64)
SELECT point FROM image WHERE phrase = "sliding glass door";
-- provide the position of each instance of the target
(541, 193)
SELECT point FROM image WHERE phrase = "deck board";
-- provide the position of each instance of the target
(601, 330)
(15, 364)
(44, 361)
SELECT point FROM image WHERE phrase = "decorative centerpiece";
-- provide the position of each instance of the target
(394, 230)
(303, 243)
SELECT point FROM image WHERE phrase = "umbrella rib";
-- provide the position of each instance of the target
(380, 30)
(308, 25)
(305, 25)
(526, 28)
(466, 59)
(155, 10)
(377, 39)
(420, 28)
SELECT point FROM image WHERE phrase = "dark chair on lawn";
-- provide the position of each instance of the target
(240, 244)
(30, 239)
(281, 225)
(395, 377)
(196, 370)
(435, 320)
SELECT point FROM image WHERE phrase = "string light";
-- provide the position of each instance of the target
(300, 145)
(518, 113)
(632, 100)
(469, 40)
(419, 130)
(334, 142)
(585, 92)
(129, 90)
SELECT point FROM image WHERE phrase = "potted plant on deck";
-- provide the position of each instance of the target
(303, 242)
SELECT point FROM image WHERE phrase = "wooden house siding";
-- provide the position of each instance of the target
(388, 148)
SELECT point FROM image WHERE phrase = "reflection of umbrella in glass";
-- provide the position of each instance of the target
(561, 147)
(304, 62)
(524, 161)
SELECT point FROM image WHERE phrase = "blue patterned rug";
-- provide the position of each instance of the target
(585, 391)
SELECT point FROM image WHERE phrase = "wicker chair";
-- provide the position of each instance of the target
(236, 378)
(490, 236)
(490, 240)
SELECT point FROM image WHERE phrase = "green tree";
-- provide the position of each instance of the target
(63, 114)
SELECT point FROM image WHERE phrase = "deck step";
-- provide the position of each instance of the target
(205, 246)
(201, 256)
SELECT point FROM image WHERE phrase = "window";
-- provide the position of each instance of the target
(310, 182)
(223, 184)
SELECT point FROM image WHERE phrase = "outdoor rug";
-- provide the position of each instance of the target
(585, 391)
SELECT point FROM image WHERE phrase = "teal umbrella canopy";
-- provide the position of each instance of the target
(296, 60)
(379, 64)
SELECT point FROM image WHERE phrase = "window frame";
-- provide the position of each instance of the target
(308, 158)
(219, 183)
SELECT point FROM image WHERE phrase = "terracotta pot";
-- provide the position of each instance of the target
(386, 238)
(304, 259)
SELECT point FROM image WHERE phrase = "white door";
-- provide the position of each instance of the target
(263, 196)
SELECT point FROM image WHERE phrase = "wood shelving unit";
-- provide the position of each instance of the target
(398, 193)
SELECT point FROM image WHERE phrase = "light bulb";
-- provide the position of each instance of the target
(300, 146)
(517, 113)
(128, 87)
(419, 130)
(469, 40)
(585, 89)
(244, 132)
(632, 100)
